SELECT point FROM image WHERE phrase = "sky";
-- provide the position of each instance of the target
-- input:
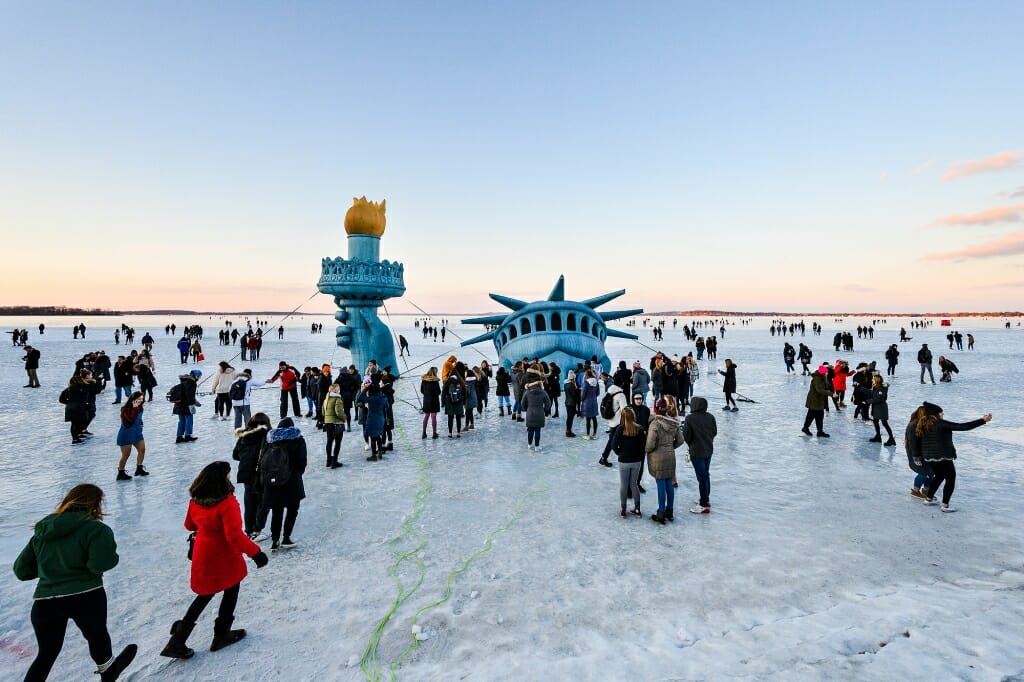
(799, 156)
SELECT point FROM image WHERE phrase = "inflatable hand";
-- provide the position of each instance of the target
(366, 337)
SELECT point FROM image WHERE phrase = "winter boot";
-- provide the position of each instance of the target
(140, 470)
(424, 436)
(223, 635)
(658, 517)
(122, 476)
(501, 411)
(176, 646)
(668, 514)
(876, 439)
(570, 434)
(117, 664)
(890, 442)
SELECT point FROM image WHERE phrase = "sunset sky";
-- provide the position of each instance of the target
(747, 156)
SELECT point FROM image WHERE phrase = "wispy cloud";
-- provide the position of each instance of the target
(1006, 245)
(1017, 193)
(921, 168)
(1001, 285)
(990, 216)
(997, 162)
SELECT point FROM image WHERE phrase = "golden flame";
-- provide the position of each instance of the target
(365, 217)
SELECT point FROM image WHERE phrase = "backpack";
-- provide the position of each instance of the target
(65, 397)
(608, 406)
(275, 469)
(237, 391)
(455, 396)
(174, 395)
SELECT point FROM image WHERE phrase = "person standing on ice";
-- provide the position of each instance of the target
(842, 371)
(805, 355)
(924, 358)
(629, 441)
(247, 451)
(879, 402)
(535, 404)
(553, 386)
(184, 398)
(572, 401)
(453, 399)
(640, 384)
(430, 389)
(788, 356)
(817, 400)
(221, 389)
(281, 467)
(699, 431)
(31, 365)
(912, 442)
(938, 451)
(618, 404)
(663, 437)
(69, 552)
(217, 564)
(729, 385)
(588, 396)
(375, 406)
(129, 435)
(469, 378)
(333, 412)
(289, 377)
(892, 358)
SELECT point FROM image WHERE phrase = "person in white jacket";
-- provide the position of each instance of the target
(221, 389)
(241, 396)
(619, 402)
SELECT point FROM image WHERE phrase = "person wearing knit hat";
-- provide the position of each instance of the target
(937, 450)
(879, 402)
(641, 382)
(663, 437)
(818, 394)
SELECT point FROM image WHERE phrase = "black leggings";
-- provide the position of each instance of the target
(222, 404)
(454, 419)
(50, 622)
(729, 400)
(570, 416)
(335, 432)
(885, 423)
(945, 470)
(591, 422)
(227, 604)
(470, 422)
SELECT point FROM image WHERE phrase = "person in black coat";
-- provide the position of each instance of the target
(248, 448)
(643, 420)
(729, 385)
(349, 382)
(185, 406)
(323, 386)
(283, 500)
(122, 379)
(430, 388)
(31, 365)
(629, 441)
(938, 451)
(879, 402)
(553, 387)
(77, 398)
(502, 380)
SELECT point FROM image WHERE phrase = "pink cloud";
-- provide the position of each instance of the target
(1000, 161)
(990, 216)
(1006, 245)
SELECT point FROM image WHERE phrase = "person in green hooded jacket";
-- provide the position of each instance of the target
(69, 552)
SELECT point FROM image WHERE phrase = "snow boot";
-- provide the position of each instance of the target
(658, 517)
(122, 476)
(570, 434)
(424, 436)
(668, 514)
(223, 635)
(501, 411)
(876, 439)
(890, 442)
(805, 431)
(179, 439)
(822, 434)
(140, 470)
(117, 664)
(176, 646)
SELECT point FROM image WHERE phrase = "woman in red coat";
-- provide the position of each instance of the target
(217, 563)
(839, 382)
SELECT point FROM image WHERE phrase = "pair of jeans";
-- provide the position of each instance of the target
(922, 480)
(185, 425)
(629, 479)
(927, 366)
(242, 415)
(127, 390)
(702, 469)
(666, 494)
(533, 435)
(504, 401)
(50, 621)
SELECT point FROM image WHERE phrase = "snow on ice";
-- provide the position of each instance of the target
(477, 558)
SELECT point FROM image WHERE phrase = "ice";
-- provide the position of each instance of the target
(815, 563)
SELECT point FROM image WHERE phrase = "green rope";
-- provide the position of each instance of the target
(369, 663)
(540, 486)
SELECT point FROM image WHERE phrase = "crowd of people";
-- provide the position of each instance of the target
(646, 414)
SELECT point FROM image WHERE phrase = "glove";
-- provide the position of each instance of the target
(260, 560)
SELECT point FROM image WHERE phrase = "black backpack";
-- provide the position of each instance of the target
(275, 469)
(237, 391)
(608, 406)
(174, 395)
(455, 396)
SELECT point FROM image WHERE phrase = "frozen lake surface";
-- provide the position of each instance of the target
(815, 564)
